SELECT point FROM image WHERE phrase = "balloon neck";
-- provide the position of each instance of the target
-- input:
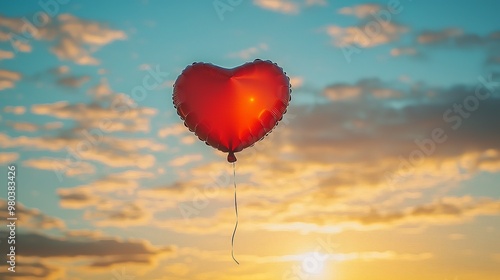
(231, 157)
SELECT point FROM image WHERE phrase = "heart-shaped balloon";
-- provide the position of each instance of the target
(231, 109)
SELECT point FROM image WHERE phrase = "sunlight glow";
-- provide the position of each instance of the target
(313, 263)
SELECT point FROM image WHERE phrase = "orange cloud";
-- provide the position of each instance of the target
(33, 271)
(282, 6)
(6, 158)
(73, 82)
(402, 51)
(31, 127)
(17, 110)
(33, 217)
(250, 52)
(75, 39)
(183, 160)
(124, 154)
(432, 37)
(174, 130)
(51, 164)
(78, 36)
(358, 35)
(6, 55)
(8, 79)
(100, 90)
(360, 11)
(111, 251)
(119, 114)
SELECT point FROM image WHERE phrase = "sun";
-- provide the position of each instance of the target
(313, 263)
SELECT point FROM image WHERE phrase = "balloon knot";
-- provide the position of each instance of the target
(231, 157)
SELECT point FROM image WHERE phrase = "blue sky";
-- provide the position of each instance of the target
(352, 121)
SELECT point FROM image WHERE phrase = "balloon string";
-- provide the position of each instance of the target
(236, 211)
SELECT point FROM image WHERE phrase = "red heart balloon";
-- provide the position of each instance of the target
(231, 109)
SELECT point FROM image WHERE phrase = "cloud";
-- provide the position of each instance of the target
(360, 36)
(404, 51)
(23, 126)
(366, 33)
(16, 110)
(281, 6)
(17, 25)
(422, 113)
(456, 37)
(188, 140)
(118, 158)
(52, 164)
(38, 143)
(96, 194)
(86, 253)
(124, 154)
(31, 127)
(75, 39)
(116, 200)
(183, 160)
(4, 36)
(446, 210)
(221, 256)
(120, 114)
(360, 11)
(9, 75)
(43, 246)
(77, 199)
(80, 38)
(296, 82)
(172, 130)
(88, 32)
(73, 81)
(60, 70)
(124, 215)
(33, 271)
(366, 88)
(81, 111)
(114, 183)
(22, 46)
(101, 90)
(434, 37)
(176, 189)
(132, 145)
(6, 158)
(68, 49)
(111, 201)
(6, 54)
(8, 79)
(341, 92)
(33, 218)
(249, 53)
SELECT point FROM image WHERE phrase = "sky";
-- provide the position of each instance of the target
(385, 166)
